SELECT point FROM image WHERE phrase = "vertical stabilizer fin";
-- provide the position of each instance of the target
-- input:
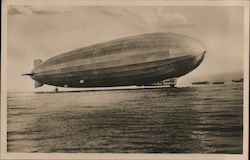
(37, 63)
(38, 84)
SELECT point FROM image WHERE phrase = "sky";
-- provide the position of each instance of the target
(41, 32)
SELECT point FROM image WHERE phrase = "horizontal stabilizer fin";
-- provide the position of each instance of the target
(37, 63)
(38, 84)
(28, 74)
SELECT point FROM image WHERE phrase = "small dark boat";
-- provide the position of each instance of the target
(237, 80)
(218, 82)
(201, 82)
(170, 82)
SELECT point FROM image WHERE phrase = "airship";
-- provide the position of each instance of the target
(135, 60)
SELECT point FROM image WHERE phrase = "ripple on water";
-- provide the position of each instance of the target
(206, 119)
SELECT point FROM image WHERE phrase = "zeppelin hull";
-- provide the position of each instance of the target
(136, 60)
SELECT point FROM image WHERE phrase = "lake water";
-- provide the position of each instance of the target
(201, 119)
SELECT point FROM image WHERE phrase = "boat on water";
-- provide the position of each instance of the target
(218, 82)
(237, 80)
(167, 82)
(200, 82)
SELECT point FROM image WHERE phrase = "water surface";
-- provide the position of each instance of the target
(202, 119)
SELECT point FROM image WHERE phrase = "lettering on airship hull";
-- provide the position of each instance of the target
(140, 59)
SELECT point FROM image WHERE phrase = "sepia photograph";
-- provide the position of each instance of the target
(125, 79)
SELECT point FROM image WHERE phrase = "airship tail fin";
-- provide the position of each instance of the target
(37, 63)
(28, 74)
(38, 84)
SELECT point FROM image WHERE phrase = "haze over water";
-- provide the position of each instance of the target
(201, 119)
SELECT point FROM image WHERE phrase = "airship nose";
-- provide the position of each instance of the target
(200, 57)
(195, 48)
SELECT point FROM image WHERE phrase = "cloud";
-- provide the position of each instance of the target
(13, 11)
(42, 12)
(163, 19)
(175, 19)
(157, 16)
(35, 10)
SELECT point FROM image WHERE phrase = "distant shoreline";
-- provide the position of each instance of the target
(64, 90)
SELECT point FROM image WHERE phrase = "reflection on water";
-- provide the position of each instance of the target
(204, 119)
